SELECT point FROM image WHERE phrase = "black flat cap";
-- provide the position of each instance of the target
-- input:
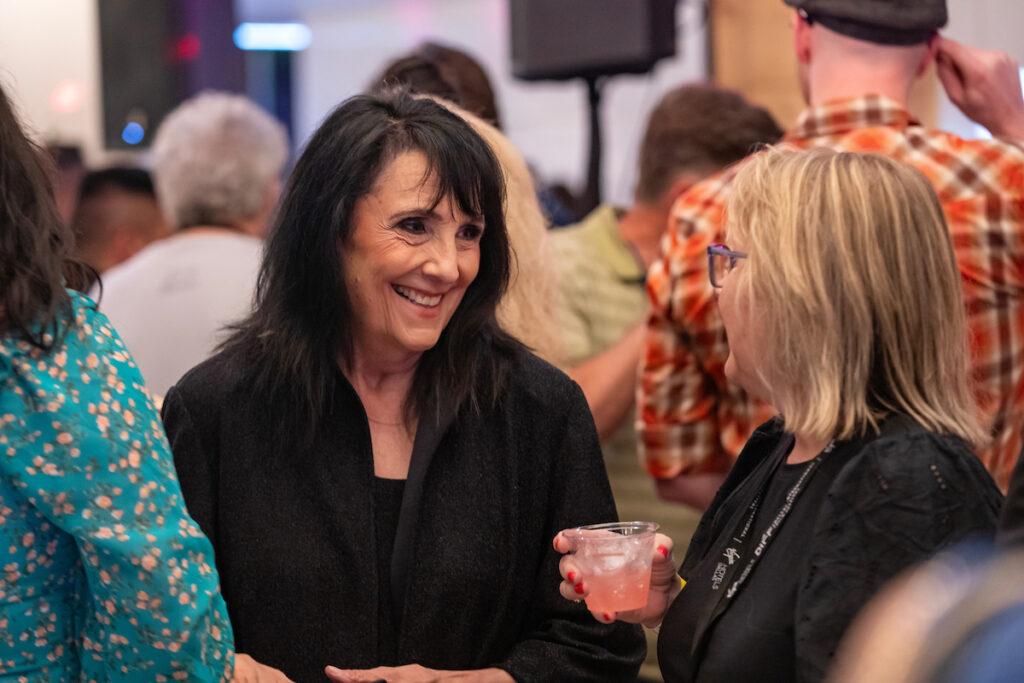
(889, 22)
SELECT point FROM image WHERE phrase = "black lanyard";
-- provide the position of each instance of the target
(731, 572)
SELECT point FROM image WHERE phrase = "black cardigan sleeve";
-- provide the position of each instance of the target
(563, 641)
(894, 505)
(195, 464)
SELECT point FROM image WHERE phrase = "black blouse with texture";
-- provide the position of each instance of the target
(874, 507)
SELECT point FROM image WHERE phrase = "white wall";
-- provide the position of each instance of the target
(992, 24)
(47, 43)
(548, 121)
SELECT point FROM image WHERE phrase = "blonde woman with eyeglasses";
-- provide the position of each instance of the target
(841, 301)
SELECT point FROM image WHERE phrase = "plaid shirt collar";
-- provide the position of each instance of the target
(842, 116)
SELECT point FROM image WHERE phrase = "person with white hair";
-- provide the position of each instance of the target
(217, 162)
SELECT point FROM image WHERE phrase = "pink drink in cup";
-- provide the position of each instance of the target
(615, 560)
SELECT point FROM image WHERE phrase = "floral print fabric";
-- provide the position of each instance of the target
(103, 575)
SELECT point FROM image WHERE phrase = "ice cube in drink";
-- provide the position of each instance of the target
(622, 589)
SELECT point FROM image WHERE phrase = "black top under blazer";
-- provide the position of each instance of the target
(474, 576)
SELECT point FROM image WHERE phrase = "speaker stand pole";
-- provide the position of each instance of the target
(592, 192)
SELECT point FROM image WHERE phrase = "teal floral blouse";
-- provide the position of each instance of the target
(103, 575)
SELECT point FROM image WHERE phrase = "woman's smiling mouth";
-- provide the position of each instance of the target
(418, 298)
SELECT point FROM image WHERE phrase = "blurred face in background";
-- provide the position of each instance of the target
(113, 225)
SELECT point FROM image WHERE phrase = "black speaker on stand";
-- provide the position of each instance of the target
(154, 54)
(591, 40)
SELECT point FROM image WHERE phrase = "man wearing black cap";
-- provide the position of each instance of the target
(857, 62)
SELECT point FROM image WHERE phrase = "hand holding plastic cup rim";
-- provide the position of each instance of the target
(615, 558)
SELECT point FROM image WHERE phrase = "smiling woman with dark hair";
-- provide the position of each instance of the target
(377, 462)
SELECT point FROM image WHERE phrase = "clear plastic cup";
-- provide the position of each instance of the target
(615, 560)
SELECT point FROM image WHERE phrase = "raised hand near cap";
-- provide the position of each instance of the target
(984, 85)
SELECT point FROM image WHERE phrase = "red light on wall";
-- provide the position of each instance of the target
(186, 48)
(67, 96)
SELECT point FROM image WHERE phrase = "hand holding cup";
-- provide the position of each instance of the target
(601, 566)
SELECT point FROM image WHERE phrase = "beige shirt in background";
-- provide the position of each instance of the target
(603, 297)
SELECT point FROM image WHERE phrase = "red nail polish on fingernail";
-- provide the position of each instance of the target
(663, 550)
(578, 588)
(572, 577)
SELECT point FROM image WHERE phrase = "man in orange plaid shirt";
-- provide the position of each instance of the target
(858, 60)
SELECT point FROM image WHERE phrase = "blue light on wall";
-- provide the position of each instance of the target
(287, 37)
(133, 133)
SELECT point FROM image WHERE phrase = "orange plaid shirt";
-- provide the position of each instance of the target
(690, 419)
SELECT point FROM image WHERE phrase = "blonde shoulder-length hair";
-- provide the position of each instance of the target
(854, 284)
(528, 309)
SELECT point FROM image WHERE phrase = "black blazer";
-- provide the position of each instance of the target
(474, 575)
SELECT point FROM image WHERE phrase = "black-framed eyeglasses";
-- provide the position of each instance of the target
(721, 260)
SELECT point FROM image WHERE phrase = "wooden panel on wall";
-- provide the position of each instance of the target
(752, 52)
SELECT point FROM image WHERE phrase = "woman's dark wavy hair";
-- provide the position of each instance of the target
(300, 327)
(35, 244)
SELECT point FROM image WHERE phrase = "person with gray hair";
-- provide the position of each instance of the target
(217, 162)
